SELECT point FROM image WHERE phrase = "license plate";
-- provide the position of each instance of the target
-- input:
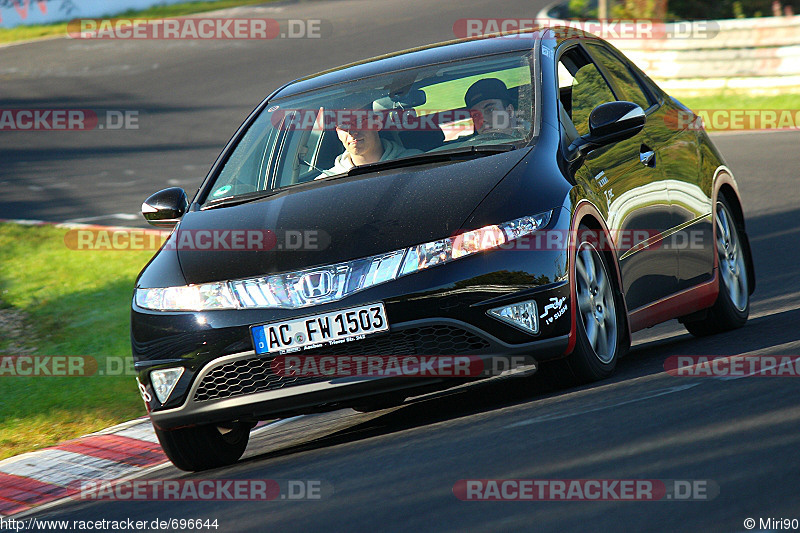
(320, 330)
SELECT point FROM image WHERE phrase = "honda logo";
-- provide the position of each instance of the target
(316, 284)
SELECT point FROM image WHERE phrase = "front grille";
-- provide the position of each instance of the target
(252, 375)
(245, 376)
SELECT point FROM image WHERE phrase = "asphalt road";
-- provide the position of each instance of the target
(395, 470)
(188, 98)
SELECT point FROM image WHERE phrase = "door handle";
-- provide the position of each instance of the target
(647, 156)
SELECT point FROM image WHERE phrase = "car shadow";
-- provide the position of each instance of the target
(645, 359)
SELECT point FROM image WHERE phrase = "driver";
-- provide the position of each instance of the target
(363, 145)
(489, 104)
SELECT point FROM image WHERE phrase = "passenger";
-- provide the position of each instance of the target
(491, 108)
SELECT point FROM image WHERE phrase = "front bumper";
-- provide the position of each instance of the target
(310, 394)
(439, 311)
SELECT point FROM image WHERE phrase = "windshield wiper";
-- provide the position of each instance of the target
(463, 152)
(239, 199)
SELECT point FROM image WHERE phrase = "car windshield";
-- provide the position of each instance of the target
(404, 114)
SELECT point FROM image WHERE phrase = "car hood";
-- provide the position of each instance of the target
(341, 219)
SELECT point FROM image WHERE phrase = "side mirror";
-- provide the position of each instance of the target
(165, 208)
(609, 123)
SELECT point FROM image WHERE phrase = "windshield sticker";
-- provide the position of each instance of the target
(222, 190)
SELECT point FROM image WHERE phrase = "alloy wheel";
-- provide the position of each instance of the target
(596, 302)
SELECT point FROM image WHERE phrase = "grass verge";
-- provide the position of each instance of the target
(25, 33)
(719, 111)
(732, 100)
(58, 301)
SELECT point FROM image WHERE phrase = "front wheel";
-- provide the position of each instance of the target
(204, 447)
(732, 307)
(599, 321)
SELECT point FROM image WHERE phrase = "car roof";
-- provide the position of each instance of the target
(427, 55)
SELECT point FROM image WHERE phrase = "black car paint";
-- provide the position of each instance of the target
(356, 216)
(495, 189)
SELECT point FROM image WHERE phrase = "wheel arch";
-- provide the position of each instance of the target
(725, 185)
(586, 213)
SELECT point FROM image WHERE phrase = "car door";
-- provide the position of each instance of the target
(677, 149)
(626, 179)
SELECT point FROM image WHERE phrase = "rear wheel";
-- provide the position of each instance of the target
(204, 447)
(732, 307)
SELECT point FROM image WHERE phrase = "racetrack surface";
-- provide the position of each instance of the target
(395, 470)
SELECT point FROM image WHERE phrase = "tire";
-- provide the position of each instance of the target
(599, 322)
(204, 447)
(732, 307)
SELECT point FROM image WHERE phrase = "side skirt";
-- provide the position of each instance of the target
(683, 303)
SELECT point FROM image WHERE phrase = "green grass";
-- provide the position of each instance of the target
(737, 101)
(70, 302)
(24, 33)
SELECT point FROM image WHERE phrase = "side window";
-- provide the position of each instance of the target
(581, 88)
(627, 83)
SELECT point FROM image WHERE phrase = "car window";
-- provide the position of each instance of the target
(581, 88)
(629, 86)
(243, 172)
(446, 95)
(400, 114)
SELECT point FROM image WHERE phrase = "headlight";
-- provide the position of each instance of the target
(319, 285)
(188, 298)
(479, 240)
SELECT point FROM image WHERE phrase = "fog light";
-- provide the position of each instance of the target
(522, 315)
(164, 382)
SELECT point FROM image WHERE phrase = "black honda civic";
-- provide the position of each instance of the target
(427, 218)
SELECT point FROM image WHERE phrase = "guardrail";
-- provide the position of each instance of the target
(757, 55)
